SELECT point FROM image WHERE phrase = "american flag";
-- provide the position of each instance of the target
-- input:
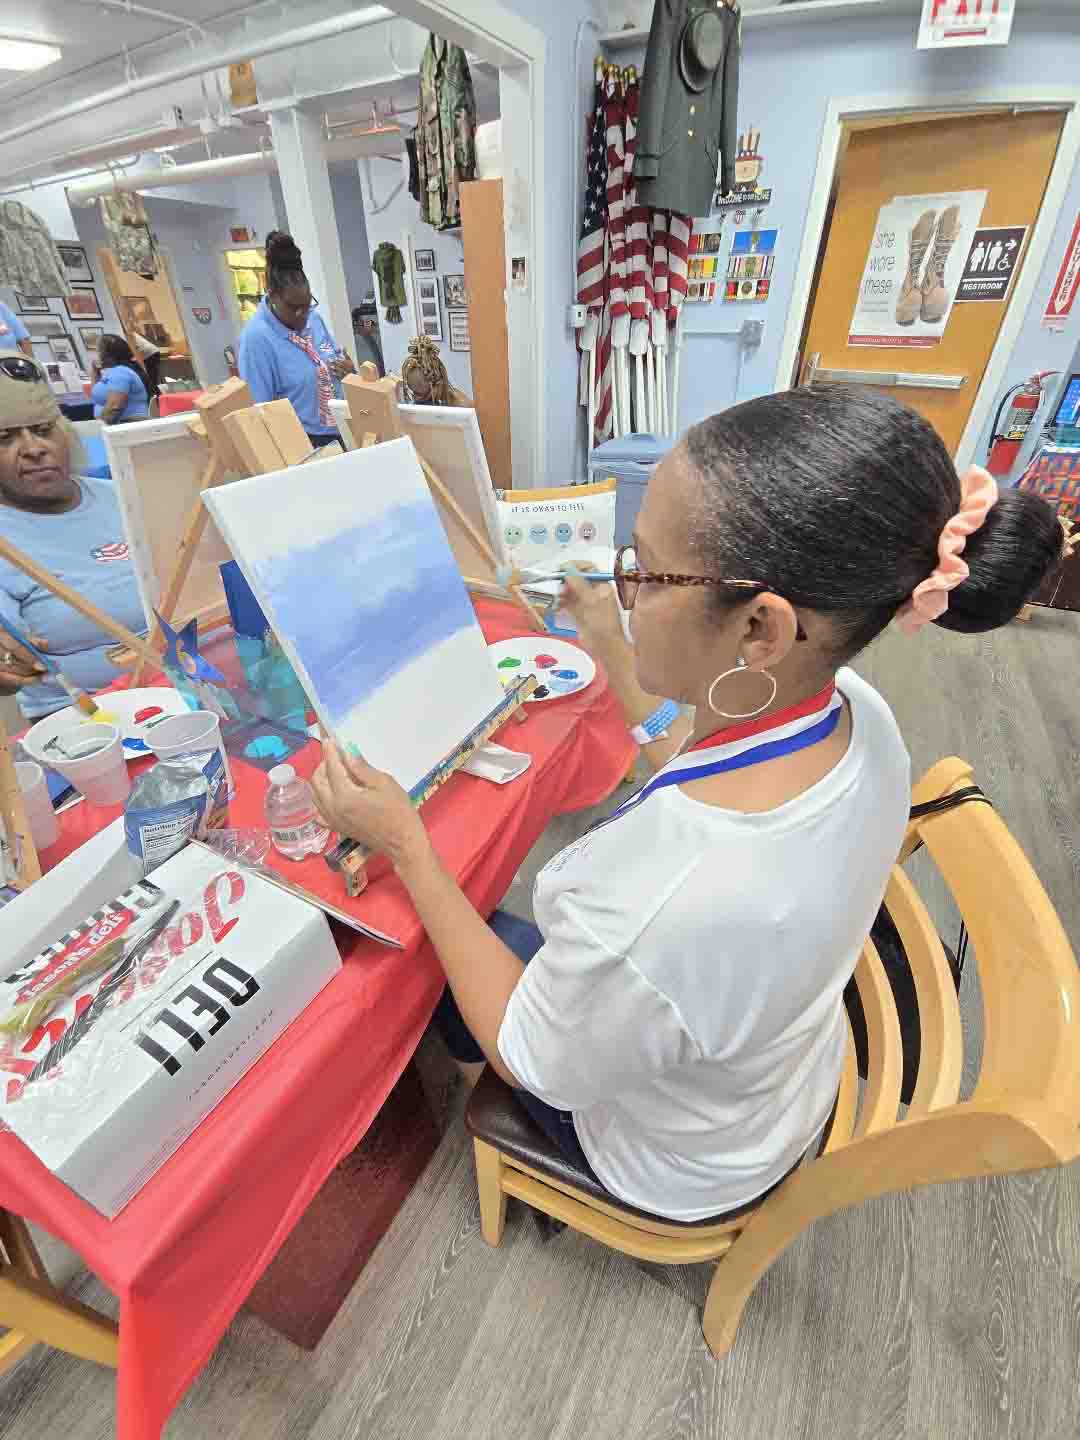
(592, 268)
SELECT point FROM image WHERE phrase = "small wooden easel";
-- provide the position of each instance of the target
(17, 834)
(243, 440)
(12, 805)
(374, 416)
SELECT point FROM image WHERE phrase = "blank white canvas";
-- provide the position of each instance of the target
(449, 439)
(350, 562)
(157, 469)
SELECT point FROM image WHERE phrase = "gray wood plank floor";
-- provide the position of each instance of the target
(947, 1314)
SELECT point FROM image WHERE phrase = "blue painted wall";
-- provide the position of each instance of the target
(789, 75)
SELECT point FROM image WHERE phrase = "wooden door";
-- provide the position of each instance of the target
(485, 282)
(1007, 155)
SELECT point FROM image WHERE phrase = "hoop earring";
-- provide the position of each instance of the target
(740, 666)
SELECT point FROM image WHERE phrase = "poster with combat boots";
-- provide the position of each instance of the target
(913, 268)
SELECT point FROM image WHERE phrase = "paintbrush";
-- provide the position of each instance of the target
(79, 698)
(536, 575)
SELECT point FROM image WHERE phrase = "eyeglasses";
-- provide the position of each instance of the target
(628, 578)
(18, 367)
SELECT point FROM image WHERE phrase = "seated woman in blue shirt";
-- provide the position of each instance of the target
(13, 332)
(120, 390)
(286, 351)
(69, 524)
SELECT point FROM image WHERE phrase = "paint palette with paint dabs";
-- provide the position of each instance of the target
(562, 669)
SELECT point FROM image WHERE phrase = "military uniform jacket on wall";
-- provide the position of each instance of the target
(446, 135)
(689, 99)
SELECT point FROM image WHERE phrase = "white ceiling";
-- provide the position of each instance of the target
(89, 32)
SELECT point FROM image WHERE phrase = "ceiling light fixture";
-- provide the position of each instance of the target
(26, 54)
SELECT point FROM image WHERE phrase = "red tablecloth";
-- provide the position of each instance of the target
(184, 1254)
(173, 402)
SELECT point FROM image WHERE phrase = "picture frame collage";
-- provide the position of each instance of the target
(430, 304)
(51, 338)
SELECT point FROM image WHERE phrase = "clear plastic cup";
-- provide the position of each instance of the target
(44, 828)
(196, 730)
(92, 758)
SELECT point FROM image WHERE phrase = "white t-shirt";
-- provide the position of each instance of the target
(687, 1003)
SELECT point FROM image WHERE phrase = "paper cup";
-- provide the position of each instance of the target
(94, 763)
(179, 734)
(44, 829)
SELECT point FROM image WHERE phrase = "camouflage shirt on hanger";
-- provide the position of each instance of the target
(446, 134)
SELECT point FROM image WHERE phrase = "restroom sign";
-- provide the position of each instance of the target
(948, 23)
(991, 263)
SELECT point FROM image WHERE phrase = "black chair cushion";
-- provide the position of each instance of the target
(493, 1115)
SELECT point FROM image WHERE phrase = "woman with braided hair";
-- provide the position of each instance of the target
(286, 351)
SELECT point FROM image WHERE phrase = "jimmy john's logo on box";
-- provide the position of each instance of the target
(127, 1061)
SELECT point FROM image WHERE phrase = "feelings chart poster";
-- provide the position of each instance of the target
(350, 562)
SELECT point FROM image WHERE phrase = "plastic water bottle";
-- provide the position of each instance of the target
(295, 827)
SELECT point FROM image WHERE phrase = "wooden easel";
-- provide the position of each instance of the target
(243, 439)
(373, 414)
(17, 832)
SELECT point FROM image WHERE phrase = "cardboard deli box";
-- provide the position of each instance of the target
(104, 1093)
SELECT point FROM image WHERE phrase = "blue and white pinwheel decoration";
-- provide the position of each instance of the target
(182, 651)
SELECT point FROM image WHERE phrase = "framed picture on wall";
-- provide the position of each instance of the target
(454, 291)
(90, 335)
(46, 329)
(63, 349)
(424, 261)
(76, 266)
(82, 303)
(31, 304)
(137, 312)
(428, 310)
(42, 350)
(459, 330)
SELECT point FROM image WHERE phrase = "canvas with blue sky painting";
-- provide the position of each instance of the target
(350, 562)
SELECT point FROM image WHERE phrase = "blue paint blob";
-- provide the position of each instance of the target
(565, 674)
(267, 747)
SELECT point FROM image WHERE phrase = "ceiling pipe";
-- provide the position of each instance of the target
(223, 168)
(328, 29)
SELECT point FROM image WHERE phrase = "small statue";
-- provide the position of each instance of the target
(424, 374)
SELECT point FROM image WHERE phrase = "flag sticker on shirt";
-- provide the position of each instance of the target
(106, 554)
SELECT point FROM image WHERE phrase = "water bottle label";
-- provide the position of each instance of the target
(310, 830)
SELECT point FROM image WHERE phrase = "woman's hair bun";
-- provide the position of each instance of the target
(282, 251)
(1009, 556)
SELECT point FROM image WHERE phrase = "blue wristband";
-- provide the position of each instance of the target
(655, 726)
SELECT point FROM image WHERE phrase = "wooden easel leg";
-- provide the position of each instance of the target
(16, 824)
(481, 545)
(193, 533)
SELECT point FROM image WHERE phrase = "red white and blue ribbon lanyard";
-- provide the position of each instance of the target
(749, 743)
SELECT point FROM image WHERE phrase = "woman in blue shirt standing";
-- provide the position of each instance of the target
(120, 388)
(286, 351)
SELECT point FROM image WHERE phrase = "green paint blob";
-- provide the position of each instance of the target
(509, 663)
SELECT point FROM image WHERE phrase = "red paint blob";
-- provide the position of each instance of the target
(545, 662)
(147, 714)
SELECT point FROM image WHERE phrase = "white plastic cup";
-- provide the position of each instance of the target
(94, 763)
(195, 730)
(44, 828)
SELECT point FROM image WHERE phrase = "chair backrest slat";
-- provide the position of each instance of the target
(941, 1049)
(1027, 970)
(847, 1102)
(885, 1075)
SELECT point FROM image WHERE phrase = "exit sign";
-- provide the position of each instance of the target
(946, 23)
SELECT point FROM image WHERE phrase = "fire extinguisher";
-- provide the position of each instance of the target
(1009, 434)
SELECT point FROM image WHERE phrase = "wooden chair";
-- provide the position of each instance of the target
(37, 1313)
(1022, 1115)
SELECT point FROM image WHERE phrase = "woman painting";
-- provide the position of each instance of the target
(679, 1028)
(69, 524)
(121, 389)
(286, 351)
